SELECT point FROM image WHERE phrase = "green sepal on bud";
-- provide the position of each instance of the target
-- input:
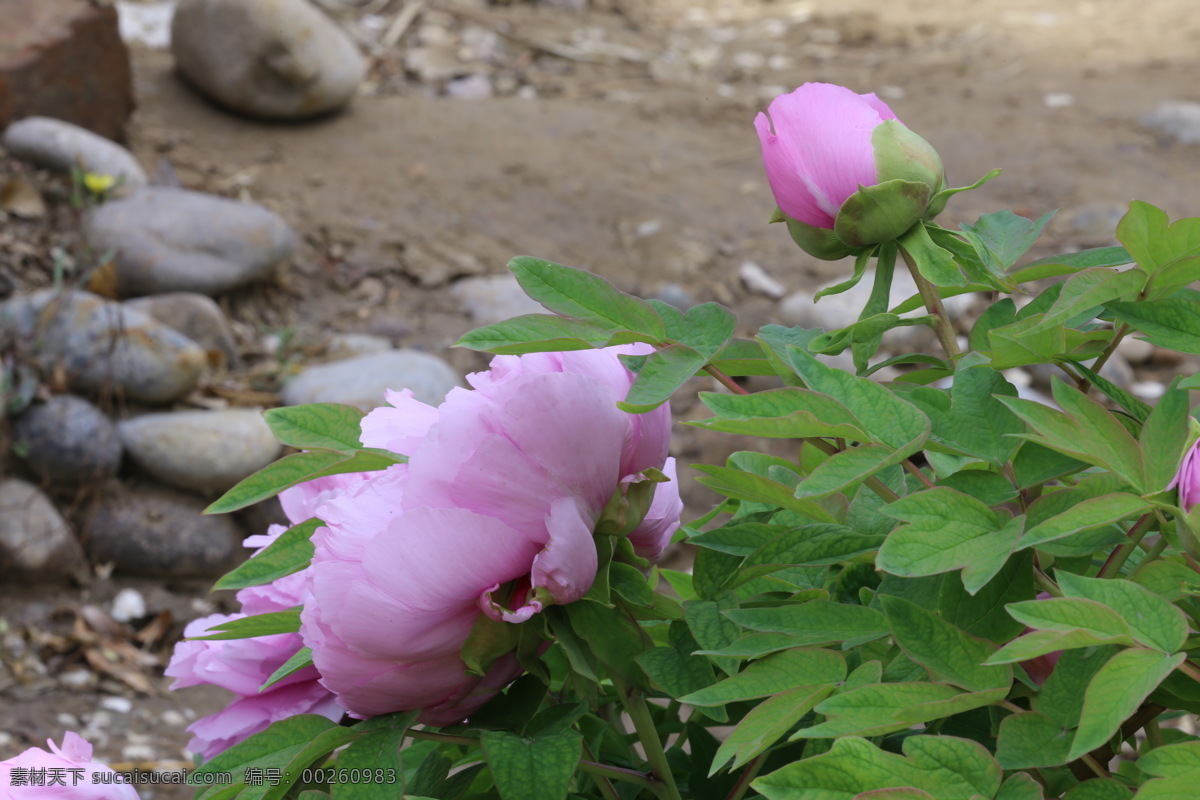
(820, 243)
(880, 213)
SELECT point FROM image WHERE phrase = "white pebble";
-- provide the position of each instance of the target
(76, 678)
(68, 720)
(121, 705)
(756, 279)
(139, 752)
(173, 718)
(1148, 390)
(128, 604)
(1058, 99)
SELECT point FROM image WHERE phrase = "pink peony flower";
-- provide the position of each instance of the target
(493, 514)
(821, 144)
(66, 772)
(1188, 478)
(243, 665)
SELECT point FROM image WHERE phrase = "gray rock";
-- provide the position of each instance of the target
(1135, 351)
(351, 345)
(492, 298)
(175, 240)
(676, 295)
(195, 316)
(60, 146)
(362, 381)
(1178, 119)
(275, 59)
(103, 347)
(34, 539)
(204, 451)
(475, 86)
(149, 530)
(67, 441)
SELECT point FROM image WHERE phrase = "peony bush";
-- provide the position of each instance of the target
(941, 590)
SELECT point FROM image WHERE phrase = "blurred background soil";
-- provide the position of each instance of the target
(616, 136)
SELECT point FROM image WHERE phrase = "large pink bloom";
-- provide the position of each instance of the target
(816, 146)
(243, 665)
(493, 514)
(66, 772)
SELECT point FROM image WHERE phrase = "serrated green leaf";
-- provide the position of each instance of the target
(946, 531)
(314, 426)
(950, 654)
(293, 469)
(1152, 620)
(532, 769)
(1116, 692)
(291, 552)
(773, 674)
(766, 724)
(582, 295)
(256, 625)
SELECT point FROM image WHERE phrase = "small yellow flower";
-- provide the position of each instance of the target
(97, 183)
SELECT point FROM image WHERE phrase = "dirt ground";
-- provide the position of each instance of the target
(638, 160)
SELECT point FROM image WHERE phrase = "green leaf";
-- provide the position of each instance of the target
(1164, 438)
(293, 469)
(291, 552)
(378, 749)
(1094, 513)
(743, 485)
(936, 264)
(943, 766)
(1161, 249)
(1024, 342)
(767, 723)
(532, 769)
(755, 645)
(1083, 429)
(533, 333)
(1060, 697)
(809, 545)
(890, 420)
(312, 752)
(1068, 263)
(1152, 620)
(1039, 643)
(1176, 769)
(780, 413)
(706, 328)
(301, 659)
(951, 655)
(664, 371)
(947, 530)
(970, 420)
(712, 629)
(1065, 614)
(273, 747)
(612, 635)
(860, 268)
(814, 622)
(1002, 237)
(1098, 789)
(1030, 740)
(317, 426)
(674, 668)
(997, 315)
(1020, 786)
(850, 467)
(1135, 407)
(738, 538)
(254, 626)
(1088, 289)
(580, 294)
(1172, 322)
(1116, 692)
(743, 357)
(888, 707)
(773, 674)
(983, 614)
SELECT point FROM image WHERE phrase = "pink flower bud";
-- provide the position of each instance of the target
(844, 170)
(64, 772)
(1187, 480)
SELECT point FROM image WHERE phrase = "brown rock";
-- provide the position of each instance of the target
(64, 59)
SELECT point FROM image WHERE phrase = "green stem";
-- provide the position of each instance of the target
(1099, 363)
(1152, 555)
(444, 738)
(1118, 557)
(1045, 584)
(1190, 669)
(915, 471)
(643, 723)
(1154, 737)
(726, 381)
(748, 774)
(933, 304)
(1094, 766)
(603, 772)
